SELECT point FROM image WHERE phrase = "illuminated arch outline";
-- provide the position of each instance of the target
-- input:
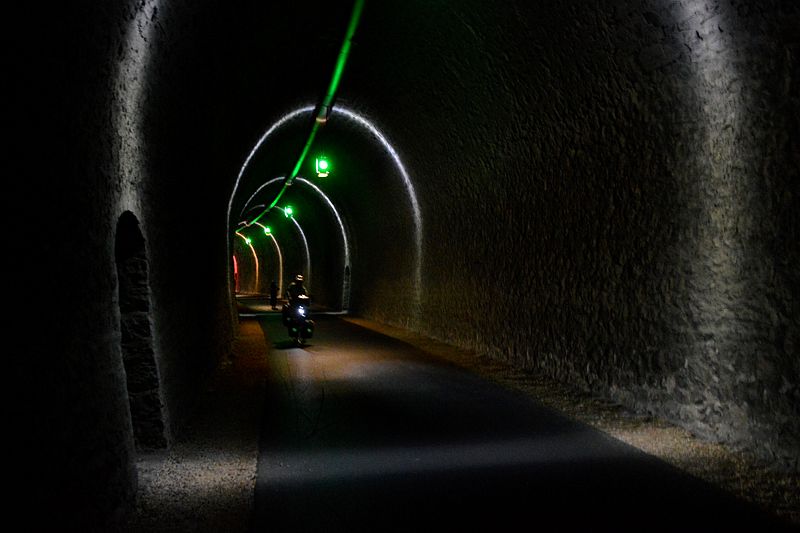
(255, 255)
(355, 117)
(305, 247)
(280, 257)
(345, 239)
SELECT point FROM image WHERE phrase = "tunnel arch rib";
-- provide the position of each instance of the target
(343, 230)
(388, 148)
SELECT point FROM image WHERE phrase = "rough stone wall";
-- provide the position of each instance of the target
(73, 440)
(83, 154)
(609, 195)
(168, 104)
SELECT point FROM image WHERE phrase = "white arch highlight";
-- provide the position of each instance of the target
(255, 255)
(343, 231)
(305, 247)
(345, 240)
(347, 267)
(378, 135)
(280, 256)
(282, 121)
(412, 196)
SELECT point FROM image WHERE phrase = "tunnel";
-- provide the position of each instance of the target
(603, 193)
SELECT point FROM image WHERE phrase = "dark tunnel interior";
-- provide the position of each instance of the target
(607, 192)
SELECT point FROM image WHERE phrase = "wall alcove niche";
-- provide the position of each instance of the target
(141, 368)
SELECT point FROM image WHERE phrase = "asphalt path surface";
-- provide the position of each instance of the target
(363, 432)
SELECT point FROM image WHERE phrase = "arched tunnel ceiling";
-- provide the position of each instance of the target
(509, 117)
(425, 66)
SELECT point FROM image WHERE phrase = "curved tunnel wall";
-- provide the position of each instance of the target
(608, 194)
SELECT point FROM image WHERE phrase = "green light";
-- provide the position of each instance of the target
(322, 166)
(325, 106)
(288, 211)
(247, 240)
(267, 230)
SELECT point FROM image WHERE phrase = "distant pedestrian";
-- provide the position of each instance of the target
(273, 294)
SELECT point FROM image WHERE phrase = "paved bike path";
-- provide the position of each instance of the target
(363, 432)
